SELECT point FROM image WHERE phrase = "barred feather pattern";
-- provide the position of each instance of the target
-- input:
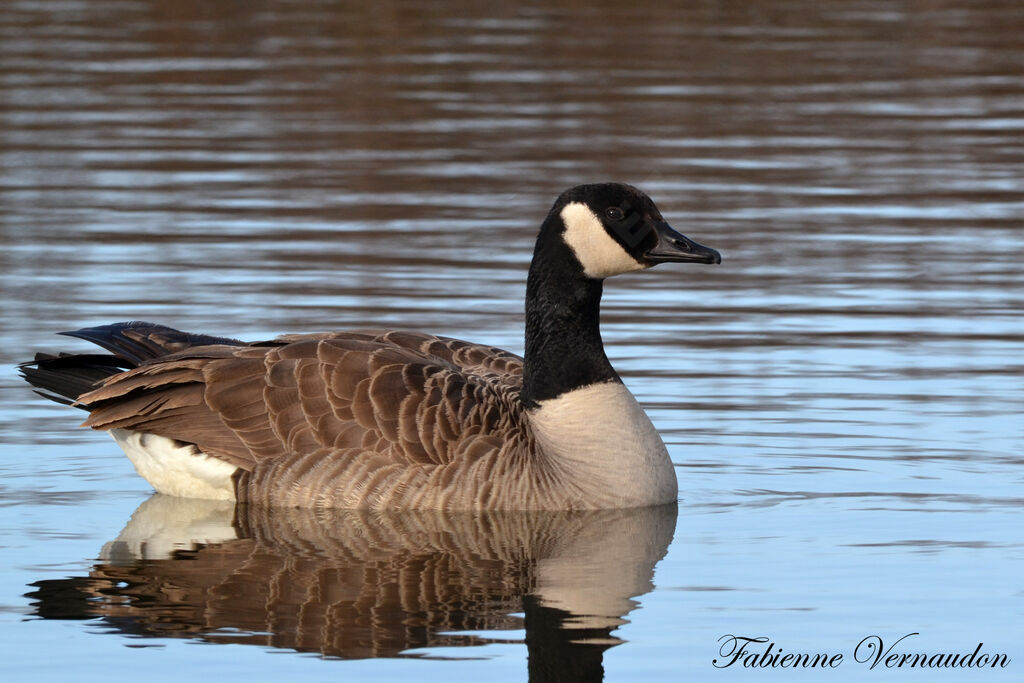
(370, 420)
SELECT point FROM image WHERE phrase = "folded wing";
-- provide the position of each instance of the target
(339, 420)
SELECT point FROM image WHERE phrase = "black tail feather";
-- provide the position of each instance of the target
(65, 377)
(141, 341)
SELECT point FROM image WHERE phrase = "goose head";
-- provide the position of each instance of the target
(612, 228)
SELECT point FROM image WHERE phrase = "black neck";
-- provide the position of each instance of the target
(563, 336)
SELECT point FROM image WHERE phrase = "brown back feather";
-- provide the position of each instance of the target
(365, 407)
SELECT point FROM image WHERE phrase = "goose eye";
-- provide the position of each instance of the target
(614, 213)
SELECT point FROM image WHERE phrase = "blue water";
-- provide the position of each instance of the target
(842, 396)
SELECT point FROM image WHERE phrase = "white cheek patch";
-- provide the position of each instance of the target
(599, 254)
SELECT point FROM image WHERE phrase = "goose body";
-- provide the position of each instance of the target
(400, 420)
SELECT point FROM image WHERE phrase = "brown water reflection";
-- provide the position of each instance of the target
(852, 155)
(355, 584)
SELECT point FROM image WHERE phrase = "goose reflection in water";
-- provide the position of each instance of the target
(357, 584)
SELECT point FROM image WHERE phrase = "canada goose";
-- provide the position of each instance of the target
(393, 420)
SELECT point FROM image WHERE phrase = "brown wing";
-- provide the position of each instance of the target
(373, 409)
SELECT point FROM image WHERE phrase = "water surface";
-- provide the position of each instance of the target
(842, 396)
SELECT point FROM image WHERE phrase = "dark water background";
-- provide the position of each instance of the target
(842, 396)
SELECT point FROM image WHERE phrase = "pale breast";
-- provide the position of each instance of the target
(605, 444)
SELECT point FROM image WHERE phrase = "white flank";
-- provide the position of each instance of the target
(176, 469)
(606, 444)
(599, 254)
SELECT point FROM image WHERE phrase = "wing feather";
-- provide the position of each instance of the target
(363, 416)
